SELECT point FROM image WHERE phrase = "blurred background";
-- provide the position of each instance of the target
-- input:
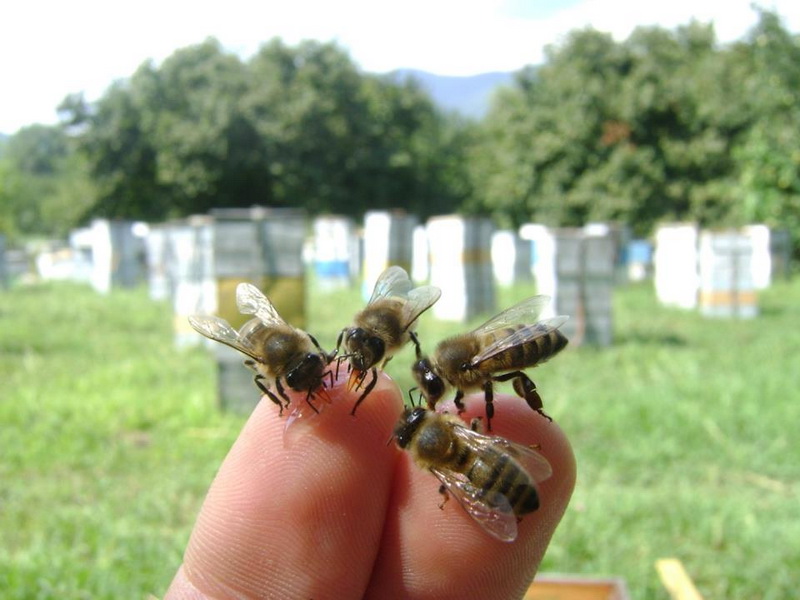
(643, 171)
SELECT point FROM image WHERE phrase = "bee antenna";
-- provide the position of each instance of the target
(411, 397)
(389, 441)
(339, 360)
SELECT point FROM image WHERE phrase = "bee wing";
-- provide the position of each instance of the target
(491, 510)
(419, 300)
(251, 301)
(518, 337)
(526, 311)
(394, 281)
(220, 330)
(537, 466)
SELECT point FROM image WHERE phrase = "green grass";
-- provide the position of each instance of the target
(684, 430)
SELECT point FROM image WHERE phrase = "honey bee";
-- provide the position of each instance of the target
(279, 353)
(492, 478)
(384, 326)
(495, 351)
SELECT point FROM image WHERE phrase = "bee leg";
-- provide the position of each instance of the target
(488, 392)
(367, 389)
(475, 425)
(525, 388)
(446, 496)
(282, 393)
(258, 380)
(415, 341)
(276, 400)
(311, 404)
(458, 401)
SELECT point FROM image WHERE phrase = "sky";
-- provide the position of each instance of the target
(49, 49)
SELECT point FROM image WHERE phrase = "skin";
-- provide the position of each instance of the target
(330, 510)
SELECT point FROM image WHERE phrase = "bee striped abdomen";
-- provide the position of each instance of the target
(524, 355)
(499, 473)
(523, 498)
(501, 467)
(462, 458)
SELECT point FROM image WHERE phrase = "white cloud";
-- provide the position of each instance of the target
(50, 49)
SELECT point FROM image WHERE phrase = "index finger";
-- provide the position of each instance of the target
(288, 516)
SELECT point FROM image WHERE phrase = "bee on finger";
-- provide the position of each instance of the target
(383, 327)
(493, 479)
(496, 351)
(282, 356)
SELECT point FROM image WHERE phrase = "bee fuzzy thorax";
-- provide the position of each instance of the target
(456, 351)
(433, 443)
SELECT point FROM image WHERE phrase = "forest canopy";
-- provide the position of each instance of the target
(665, 125)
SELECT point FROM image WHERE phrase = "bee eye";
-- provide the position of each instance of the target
(376, 347)
(465, 366)
(435, 388)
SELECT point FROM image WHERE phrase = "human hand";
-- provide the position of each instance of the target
(332, 511)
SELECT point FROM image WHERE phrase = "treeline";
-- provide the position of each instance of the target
(664, 125)
(293, 126)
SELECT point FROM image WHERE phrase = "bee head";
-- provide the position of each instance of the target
(408, 424)
(306, 374)
(365, 350)
(432, 386)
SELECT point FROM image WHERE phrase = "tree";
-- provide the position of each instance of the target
(206, 149)
(551, 130)
(768, 155)
(44, 187)
(291, 127)
(118, 146)
(665, 125)
(307, 105)
(10, 205)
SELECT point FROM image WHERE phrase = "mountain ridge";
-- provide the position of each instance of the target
(469, 96)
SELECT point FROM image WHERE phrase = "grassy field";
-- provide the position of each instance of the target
(685, 433)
